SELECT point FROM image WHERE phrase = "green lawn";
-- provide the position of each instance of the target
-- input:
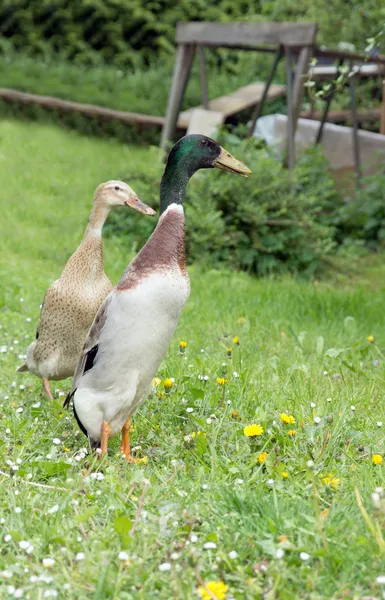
(136, 90)
(203, 508)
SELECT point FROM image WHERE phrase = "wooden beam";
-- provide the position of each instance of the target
(362, 71)
(90, 110)
(290, 112)
(335, 54)
(300, 76)
(341, 116)
(203, 76)
(245, 35)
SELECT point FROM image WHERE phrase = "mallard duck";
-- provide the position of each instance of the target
(71, 302)
(134, 325)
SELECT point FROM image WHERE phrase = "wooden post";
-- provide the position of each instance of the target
(184, 59)
(203, 75)
(258, 108)
(301, 71)
(356, 141)
(328, 102)
(382, 126)
(290, 110)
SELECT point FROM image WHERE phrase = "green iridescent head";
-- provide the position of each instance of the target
(188, 155)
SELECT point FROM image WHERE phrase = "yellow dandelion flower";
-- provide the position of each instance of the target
(287, 419)
(282, 538)
(236, 340)
(229, 352)
(67, 450)
(262, 457)
(167, 384)
(182, 344)
(161, 395)
(285, 474)
(253, 430)
(193, 434)
(143, 461)
(371, 339)
(377, 459)
(221, 380)
(155, 382)
(292, 432)
(331, 481)
(218, 589)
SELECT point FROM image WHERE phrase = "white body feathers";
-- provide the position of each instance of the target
(138, 319)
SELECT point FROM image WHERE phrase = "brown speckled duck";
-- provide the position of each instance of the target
(71, 302)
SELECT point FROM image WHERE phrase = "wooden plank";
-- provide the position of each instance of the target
(334, 54)
(341, 116)
(242, 98)
(245, 35)
(205, 122)
(90, 110)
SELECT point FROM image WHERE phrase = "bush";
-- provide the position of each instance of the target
(257, 224)
(131, 32)
(361, 220)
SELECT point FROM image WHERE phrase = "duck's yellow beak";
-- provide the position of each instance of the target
(229, 163)
(135, 203)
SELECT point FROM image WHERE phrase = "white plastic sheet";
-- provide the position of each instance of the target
(337, 141)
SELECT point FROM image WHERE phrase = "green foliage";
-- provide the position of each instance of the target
(361, 219)
(123, 33)
(260, 224)
(134, 32)
(136, 90)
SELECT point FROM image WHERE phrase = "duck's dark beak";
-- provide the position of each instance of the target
(135, 203)
(229, 163)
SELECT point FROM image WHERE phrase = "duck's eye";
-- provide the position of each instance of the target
(117, 188)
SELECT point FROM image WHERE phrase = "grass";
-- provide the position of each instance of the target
(137, 90)
(143, 90)
(203, 508)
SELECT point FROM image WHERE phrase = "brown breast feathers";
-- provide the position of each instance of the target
(164, 250)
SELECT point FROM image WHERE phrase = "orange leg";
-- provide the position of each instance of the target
(125, 445)
(106, 430)
(47, 388)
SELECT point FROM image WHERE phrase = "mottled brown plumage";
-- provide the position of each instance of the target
(72, 301)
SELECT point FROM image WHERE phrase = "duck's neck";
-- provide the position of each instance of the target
(173, 184)
(97, 219)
